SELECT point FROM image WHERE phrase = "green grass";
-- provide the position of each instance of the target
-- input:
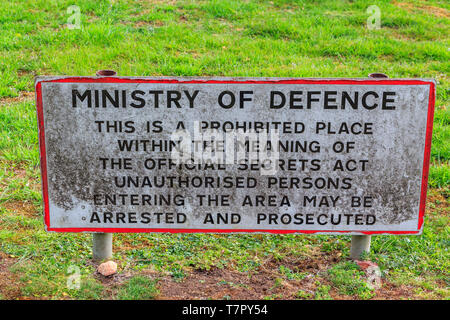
(90, 289)
(18, 137)
(278, 38)
(439, 176)
(350, 280)
(138, 288)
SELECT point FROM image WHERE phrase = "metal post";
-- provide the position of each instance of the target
(361, 243)
(101, 246)
(102, 242)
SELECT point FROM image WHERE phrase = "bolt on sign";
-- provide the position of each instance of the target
(122, 154)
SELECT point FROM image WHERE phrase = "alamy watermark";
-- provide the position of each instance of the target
(374, 20)
(74, 279)
(373, 277)
(234, 146)
(74, 20)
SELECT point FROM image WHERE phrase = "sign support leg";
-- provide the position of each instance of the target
(102, 242)
(361, 243)
(101, 246)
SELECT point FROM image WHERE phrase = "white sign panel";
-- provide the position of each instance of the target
(234, 155)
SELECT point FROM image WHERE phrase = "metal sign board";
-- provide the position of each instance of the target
(169, 154)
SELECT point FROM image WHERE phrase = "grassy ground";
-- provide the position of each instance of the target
(229, 38)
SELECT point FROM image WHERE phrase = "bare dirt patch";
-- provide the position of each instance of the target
(141, 24)
(438, 197)
(223, 284)
(436, 11)
(22, 208)
(265, 282)
(17, 171)
(23, 96)
(390, 291)
(9, 282)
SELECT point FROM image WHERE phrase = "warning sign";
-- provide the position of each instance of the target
(234, 155)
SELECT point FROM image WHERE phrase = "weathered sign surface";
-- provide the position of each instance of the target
(234, 155)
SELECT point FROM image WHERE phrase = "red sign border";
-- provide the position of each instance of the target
(426, 159)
